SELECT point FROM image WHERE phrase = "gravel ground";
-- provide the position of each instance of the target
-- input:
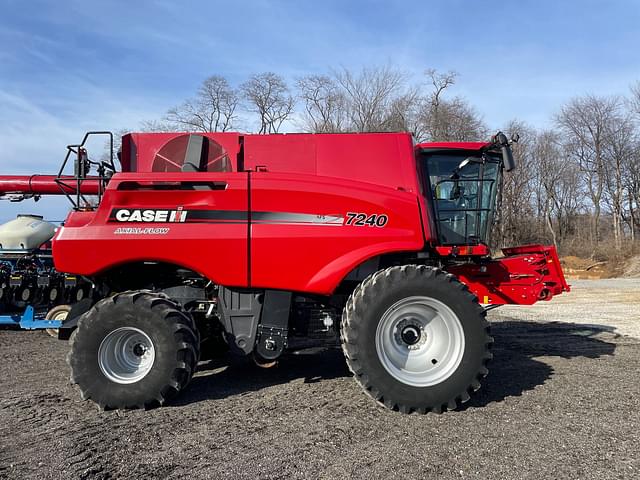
(561, 401)
(611, 304)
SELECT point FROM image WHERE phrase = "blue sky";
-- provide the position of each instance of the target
(71, 66)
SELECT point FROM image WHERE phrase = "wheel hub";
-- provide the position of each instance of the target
(410, 333)
(126, 355)
(420, 341)
(139, 349)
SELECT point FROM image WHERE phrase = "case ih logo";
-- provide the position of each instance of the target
(148, 216)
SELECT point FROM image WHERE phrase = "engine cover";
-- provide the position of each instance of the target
(27, 232)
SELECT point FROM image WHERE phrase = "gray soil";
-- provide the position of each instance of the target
(561, 401)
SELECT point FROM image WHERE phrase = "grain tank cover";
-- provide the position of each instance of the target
(27, 232)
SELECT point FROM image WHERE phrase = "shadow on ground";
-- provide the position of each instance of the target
(515, 368)
(519, 346)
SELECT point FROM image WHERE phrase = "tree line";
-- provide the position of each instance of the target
(578, 182)
(578, 185)
(377, 99)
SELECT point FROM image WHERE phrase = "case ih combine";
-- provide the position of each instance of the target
(267, 243)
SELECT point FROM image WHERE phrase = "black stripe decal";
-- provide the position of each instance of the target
(225, 215)
(234, 216)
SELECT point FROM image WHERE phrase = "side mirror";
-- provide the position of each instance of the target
(507, 156)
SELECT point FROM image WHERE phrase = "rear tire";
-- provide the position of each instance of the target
(133, 350)
(416, 339)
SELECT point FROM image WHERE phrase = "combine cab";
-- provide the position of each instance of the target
(263, 244)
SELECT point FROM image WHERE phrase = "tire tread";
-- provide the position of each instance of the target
(352, 319)
(185, 331)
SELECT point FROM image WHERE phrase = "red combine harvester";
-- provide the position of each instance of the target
(267, 243)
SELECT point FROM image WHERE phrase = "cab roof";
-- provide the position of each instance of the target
(452, 145)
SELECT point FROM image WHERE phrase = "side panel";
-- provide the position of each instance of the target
(303, 237)
(295, 153)
(196, 220)
(384, 159)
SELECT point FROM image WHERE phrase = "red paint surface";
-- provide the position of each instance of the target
(45, 185)
(523, 276)
(453, 145)
(217, 251)
(316, 257)
(321, 176)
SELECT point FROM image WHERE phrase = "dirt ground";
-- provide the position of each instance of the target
(561, 401)
(588, 269)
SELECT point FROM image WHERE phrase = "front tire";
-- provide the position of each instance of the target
(416, 339)
(133, 350)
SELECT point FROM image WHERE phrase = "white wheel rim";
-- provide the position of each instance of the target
(420, 341)
(126, 355)
(61, 315)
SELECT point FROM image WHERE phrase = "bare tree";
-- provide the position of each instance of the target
(584, 121)
(542, 198)
(324, 103)
(379, 99)
(268, 95)
(404, 114)
(212, 110)
(433, 117)
(547, 158)
(369, 96)
(632, 168)
(458, 121)
(515, 226)
(632, 185)
(620, 149)
(635, 98)
(558, 183)
(449, 120)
